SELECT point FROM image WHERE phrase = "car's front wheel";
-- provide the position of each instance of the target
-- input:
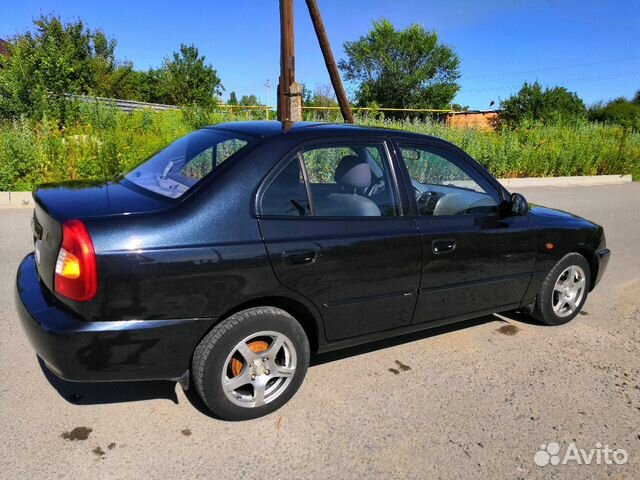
(251, 364)
(564, 290)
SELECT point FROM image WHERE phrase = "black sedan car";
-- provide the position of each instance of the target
(229, 257)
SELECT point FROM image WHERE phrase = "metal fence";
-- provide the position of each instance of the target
(124, 105)
(130, 105)
(448, 115)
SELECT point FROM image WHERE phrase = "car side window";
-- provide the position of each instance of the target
(350, 181)
(287, 195)
(204, 162)
(200, 165)
(227, 148)
(444, 185)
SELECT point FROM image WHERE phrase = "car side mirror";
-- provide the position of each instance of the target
(519, 205)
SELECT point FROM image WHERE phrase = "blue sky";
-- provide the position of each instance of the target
(591, 47)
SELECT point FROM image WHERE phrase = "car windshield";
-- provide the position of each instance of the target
(176, 169)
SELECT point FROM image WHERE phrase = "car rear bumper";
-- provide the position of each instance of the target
(78, 350)
(602, 259)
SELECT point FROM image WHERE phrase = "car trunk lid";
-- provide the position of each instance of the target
(88, 199)
(57, 203)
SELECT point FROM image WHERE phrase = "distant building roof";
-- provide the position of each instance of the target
(476, 112)
(4, 47)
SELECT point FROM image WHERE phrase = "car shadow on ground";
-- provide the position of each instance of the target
(320, 359)
(85, 393)
(96, 393)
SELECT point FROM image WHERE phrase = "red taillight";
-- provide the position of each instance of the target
(76, 274)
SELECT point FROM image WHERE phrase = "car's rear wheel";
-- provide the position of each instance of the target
(251, 364)
(564, 291)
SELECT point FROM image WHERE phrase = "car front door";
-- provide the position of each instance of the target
(475, 259)
(333, 224)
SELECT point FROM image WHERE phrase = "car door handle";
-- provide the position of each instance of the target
(300, 257)
(445, 245)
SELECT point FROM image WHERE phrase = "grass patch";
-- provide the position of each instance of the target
(102, 142)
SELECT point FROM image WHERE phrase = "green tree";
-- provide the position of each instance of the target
(54, 60)
(532, 103)
(233, 99)
(322, 96)
(620, 111)
(125, 82)
(185, 79)
(459, 108)
(247, 100)
(407, 68)
(150, 86)
(307, 95)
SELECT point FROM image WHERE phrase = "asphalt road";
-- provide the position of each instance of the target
(476, 400)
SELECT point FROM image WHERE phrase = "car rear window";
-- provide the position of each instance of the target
(183, 164)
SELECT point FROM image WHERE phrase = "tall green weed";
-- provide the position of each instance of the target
(102, 142)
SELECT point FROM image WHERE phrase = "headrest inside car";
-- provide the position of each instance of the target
(353, 172)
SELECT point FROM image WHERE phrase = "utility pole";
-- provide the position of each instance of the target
(289, 92)
(329, 60)
(266, 100)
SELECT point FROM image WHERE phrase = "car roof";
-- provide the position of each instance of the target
(270, 128)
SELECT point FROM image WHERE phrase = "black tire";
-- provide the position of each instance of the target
(543, 310)
(212, 356)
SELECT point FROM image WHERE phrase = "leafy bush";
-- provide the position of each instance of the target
(46, 64)
(620, 111)
(550, 105)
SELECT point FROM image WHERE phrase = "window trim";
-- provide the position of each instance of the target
(307, 185)
(268, 181)
(329, 143)
(462, 159)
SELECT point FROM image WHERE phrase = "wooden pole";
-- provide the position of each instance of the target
(329, 60)
(287, 60)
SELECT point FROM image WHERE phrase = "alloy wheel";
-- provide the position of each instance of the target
(259, 369)
(568, 291)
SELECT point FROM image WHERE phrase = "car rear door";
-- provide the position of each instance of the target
(475, 260)
(340, 239)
